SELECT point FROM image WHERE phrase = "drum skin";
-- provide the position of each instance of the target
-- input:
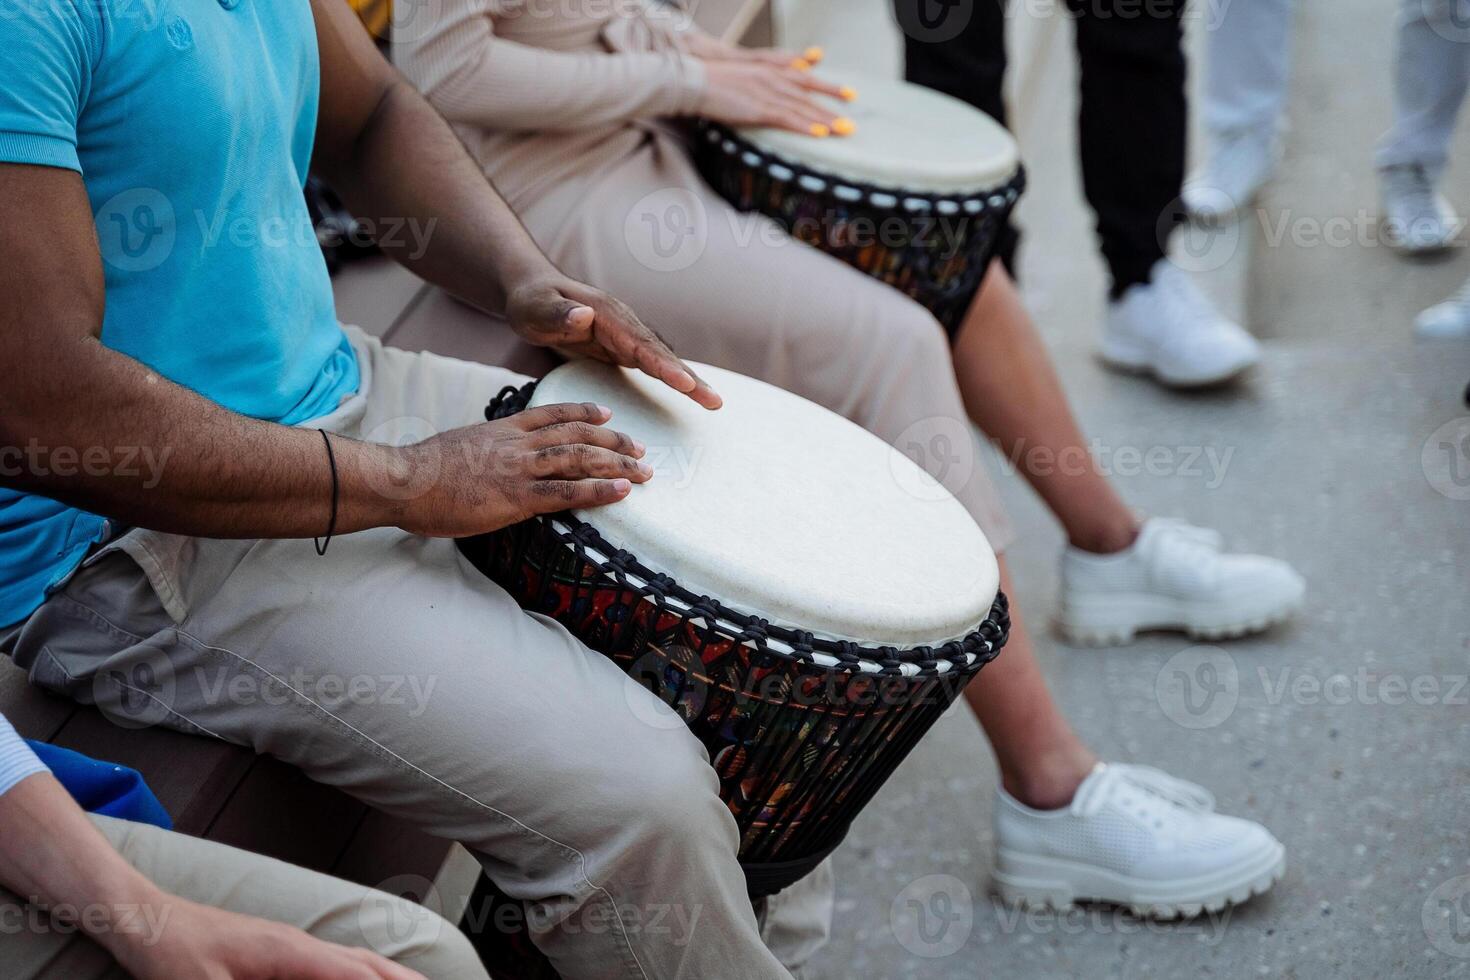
(802, 730)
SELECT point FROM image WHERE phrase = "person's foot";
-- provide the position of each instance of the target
(1239, 166)
(1136, 837)
(1448, 319)
(1416, 217)
(1168, 328)
(1174, 577)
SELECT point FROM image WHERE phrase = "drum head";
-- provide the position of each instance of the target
(781, 509)
(908, 138)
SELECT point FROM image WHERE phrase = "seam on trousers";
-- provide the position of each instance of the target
(387, 753)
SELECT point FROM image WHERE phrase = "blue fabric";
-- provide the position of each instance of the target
(101, 787)
(191, 122)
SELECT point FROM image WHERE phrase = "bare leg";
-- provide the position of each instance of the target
(1041, 759)
(1012, 393)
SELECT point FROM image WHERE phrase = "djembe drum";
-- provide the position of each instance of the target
(778, 584)
(915, 197)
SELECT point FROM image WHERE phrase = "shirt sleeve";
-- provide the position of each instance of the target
(17, 761)
(47, 52)
(472, 76)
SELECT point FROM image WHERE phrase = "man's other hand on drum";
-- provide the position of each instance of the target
(484, 477)
(556, 311)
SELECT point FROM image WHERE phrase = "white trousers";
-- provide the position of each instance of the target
(1249, 56)
(1431, 72)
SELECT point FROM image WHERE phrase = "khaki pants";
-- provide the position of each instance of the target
(32, 947)
(394, 670)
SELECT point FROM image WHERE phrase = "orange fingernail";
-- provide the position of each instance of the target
(801, 64)
(844, 126)
(813, 54)
(821, 131)
(848, 93)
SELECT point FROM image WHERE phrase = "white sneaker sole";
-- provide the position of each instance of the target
(1036, 881)
(1124, 356)
(1112, 619)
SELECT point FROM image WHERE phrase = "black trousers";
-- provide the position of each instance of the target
(1133, 117)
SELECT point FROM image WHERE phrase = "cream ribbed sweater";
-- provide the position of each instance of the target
(545, 91)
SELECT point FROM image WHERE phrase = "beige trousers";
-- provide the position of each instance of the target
(393, 669)
(33, 947)
(735, 290)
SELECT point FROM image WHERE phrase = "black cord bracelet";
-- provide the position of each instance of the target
(321, 546)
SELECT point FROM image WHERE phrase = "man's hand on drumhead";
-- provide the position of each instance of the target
(581, 321)
(759, 93)
(495, 474)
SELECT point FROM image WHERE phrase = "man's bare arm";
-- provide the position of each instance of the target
(398, 164)
(75, 417)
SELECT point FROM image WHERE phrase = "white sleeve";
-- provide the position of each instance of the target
(17, 761)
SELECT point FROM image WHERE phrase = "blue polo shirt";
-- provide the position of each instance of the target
(191, 123)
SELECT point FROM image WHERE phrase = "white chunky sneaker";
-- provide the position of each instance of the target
(1416, 218)
(1239, 166)
(1169, 329)
(1136, 837)
(1448, 319)
(1174, 577)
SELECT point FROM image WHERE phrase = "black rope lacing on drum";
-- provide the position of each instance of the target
(965, 654)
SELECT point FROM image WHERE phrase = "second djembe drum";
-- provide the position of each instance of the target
(916, 197)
